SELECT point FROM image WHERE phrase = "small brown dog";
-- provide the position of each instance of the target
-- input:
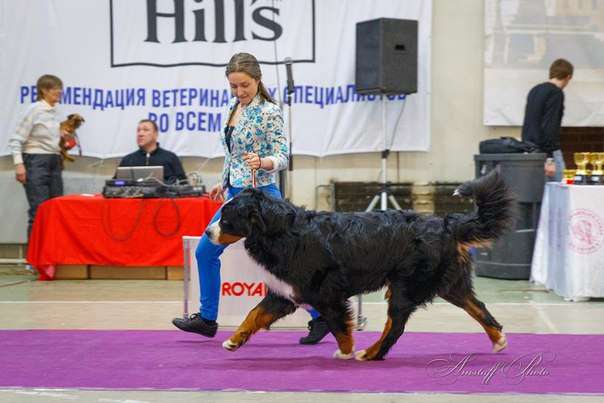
(70, 140)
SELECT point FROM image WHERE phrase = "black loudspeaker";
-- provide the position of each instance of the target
(386, 58)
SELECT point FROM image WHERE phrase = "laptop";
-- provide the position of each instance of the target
(153, 173)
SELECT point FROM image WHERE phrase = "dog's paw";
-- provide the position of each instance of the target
(361, 355)
(341, 356)
(229, 345)
(501, 344)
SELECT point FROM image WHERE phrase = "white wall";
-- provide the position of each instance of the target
(457, 97)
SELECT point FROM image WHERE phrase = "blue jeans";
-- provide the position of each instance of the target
(208, 263)
(559, 161)
(44, 182)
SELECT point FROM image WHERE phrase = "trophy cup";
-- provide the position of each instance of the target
(569, 176)
(597, 174)
(581, 159)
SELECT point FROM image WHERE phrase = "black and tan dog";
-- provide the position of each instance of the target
(70, 140)
(322, 259)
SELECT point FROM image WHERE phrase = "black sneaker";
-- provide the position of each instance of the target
(196, 324)
(318, 329)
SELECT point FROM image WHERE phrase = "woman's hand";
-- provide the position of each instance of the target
(253, 160)
(217, 192)
(20, 174)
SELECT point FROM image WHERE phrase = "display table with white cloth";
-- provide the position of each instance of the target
(569, 249)
(241, 286)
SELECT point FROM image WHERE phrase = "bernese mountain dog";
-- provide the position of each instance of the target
(323, 258)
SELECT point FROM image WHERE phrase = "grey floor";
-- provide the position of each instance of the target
(125, 304)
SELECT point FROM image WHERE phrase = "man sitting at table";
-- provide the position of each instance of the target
(150, 153)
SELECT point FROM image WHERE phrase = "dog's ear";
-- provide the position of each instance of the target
(70, 116)
(277, 217)
(257, 221)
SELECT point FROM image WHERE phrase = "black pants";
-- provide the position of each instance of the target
(43, 182)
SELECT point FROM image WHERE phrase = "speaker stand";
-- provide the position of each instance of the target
(385, 194)
(383, 197)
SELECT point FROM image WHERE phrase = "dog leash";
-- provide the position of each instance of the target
(254, 170)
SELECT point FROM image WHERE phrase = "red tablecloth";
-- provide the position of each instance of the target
(93, 230)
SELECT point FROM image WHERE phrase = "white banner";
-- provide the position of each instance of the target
(522, 39)
(125, 60)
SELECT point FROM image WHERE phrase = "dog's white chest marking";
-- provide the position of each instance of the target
(214, 232)
(277, 286)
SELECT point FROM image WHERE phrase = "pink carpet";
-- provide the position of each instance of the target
(274, 361)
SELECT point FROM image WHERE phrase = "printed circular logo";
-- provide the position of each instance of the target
(586, 231)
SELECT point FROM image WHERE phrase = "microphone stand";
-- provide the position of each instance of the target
(290, 174)
(285, 185)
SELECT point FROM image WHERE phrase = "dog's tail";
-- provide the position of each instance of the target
(494, 213)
